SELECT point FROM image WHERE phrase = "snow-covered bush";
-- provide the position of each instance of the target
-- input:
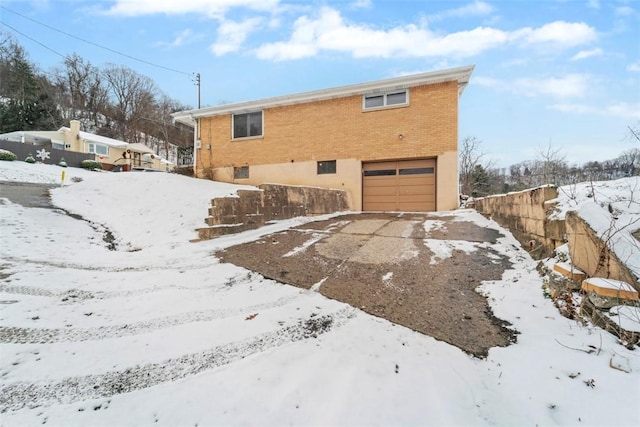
(30, 159)
(91, 165)
(62, 163)
(7, 155)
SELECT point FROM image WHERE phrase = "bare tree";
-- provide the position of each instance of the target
(133, 97)
(552, 164)
(82, 90)
(634, 132)
(470, 156)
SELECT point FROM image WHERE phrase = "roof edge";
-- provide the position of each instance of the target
(460, 74)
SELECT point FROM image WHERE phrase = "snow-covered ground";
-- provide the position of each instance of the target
(159, 332)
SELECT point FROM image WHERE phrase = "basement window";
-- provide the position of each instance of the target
(247, 125)
(241, 172)
(326, 167)
(385, 100)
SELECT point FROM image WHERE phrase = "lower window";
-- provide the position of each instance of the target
(326, 166)
(241, 172)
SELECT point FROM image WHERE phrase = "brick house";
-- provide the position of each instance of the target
(392, 144)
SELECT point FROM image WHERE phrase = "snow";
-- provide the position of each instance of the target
(610, 284)
(159, 332)
(612, 209)
(626, 316)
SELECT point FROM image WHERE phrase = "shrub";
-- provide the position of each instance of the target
(7, 155)
(91, 165)
(30, 159)
(62, 163)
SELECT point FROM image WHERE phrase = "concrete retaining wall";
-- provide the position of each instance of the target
(591, 255)
(253, 208)
(526, 213)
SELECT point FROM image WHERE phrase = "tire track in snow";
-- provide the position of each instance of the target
(63, 265)
(17, 335)
(22, 394)
(78, 295)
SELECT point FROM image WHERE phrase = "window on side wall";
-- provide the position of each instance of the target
(100, 149)
(385, 99)
(326, 167)
(247, 125)
(241, 172)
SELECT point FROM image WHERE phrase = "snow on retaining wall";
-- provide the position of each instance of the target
(526, 214)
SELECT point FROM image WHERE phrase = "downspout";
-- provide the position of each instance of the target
(195, 143)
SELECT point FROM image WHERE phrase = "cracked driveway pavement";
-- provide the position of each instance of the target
(417, 270)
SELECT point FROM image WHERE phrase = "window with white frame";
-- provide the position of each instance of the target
(247, 125)
(385, 99)
(100, 149)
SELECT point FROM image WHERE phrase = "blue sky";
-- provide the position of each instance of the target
(564, 73)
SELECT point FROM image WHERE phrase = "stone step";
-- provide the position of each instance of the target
(569, 271)
(207, 233)
(607, 293)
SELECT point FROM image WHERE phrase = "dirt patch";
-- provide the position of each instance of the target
(382, 265)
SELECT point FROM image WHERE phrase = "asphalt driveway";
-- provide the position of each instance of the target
(416, 270)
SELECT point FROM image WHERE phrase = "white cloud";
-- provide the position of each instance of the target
(182, 38)
(487, 81)
(328, 31)
(232, 34)
(624, 11)
(477, 8)
(558, 34)
(584, 54)
(361, 4)
(215, 8)
(569, 86)
(620, 109)
(634, 67)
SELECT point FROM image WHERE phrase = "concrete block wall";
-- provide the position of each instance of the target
(253, 208)
(526, 213)
(591, 255)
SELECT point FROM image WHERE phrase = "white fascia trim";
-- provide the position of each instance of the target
(460, 74)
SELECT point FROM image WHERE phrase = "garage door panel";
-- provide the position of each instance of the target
(397, 186)
(380, 206)
(414, 191)
(422, 198)
(380, 181)
(416, 181)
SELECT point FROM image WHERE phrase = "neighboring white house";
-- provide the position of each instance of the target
(108, 151)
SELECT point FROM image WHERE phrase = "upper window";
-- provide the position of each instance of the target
(247, 125)
(327, 166)
(385, 100)
(98, 149)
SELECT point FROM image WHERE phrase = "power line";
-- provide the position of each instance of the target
(31, 38)
(88, 42)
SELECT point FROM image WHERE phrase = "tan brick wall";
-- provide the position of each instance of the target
(340, 129)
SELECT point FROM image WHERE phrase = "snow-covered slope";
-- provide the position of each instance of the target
(160, 333)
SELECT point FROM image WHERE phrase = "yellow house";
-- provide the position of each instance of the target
(391, 144)
(108, 151)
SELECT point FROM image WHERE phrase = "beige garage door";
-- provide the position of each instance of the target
(399, 186)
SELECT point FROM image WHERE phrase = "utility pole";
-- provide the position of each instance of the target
(198, 83)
